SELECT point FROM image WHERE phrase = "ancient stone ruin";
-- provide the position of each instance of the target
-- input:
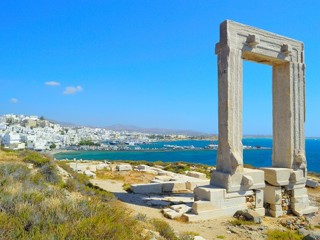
(278, 189)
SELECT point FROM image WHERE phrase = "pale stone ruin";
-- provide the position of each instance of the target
(277, 189)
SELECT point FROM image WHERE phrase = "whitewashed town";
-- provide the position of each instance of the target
(19, 132)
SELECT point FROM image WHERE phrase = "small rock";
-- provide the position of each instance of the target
(198, 238)
(312, 183)
(89, 174)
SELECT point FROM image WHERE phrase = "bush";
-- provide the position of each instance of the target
(278, 234)
(164, 229)
(50, 173)
(34, 206)
(16, 171)
(36, 159)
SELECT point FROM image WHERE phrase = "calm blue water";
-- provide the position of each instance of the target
(257, 158)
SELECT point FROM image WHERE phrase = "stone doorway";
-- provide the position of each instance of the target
(232, 184)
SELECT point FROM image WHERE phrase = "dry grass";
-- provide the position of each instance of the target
(128, 177)
(35, 204)
(9, 156)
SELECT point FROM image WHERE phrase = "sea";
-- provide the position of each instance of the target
(255, 157)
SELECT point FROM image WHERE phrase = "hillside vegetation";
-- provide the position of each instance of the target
(36, 204)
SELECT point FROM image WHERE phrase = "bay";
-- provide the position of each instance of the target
(256, 158)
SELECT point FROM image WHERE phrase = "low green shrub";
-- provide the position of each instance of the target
(164, 229)
(35, 158)
(278, 234)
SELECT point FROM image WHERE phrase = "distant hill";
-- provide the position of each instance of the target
(132, 128)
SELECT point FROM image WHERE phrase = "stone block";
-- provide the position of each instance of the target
(308, 210)
(181, 208)
(142, 167)
(147, 188)
(191, 185)
(312, 183)
(124, 167)
(231, 183)
(276, 207)
(103, 166)
(299, 192)
(257, 177)
(89, 174)
(260, 211)
(208, 193)
(259, 198)
(272, 194)
(196, 175)
(207, 214)
(174, 187)
(239, 194)
(229, 202)
(247, 182)
(299, 206)
(277, 176)
(276, 213)
(294, 186)
(172, 214)
(300, 199)
(202, 206)
(298, 177)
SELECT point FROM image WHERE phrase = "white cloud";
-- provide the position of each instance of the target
(72, 90)
(14, 100)
(52, 83)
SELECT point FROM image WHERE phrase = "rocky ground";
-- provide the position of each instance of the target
(150, 206)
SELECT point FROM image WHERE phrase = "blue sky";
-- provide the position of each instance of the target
(148, 63)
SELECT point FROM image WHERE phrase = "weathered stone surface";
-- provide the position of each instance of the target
(196, 175)
(103, 166)
(174, 187)
(147, 188)
(277, 176)
(192, 184)
(176, 211)
(239, 42)
(89, 174)
(142, 167)
(298, 177)
(259, 198)
(272, 194)
(312, 183)
(124, 167)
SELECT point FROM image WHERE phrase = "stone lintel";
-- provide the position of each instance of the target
(247, 38)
